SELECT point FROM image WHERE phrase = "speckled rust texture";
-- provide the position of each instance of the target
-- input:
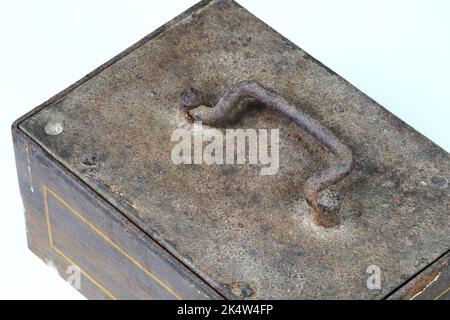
(250, 236)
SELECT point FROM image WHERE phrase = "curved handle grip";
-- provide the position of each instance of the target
(193, 103)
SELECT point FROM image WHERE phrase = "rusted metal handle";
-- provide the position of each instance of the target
(325, 214)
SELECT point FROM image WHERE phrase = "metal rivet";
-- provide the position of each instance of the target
(329, 202)
(53, 128)
(241, 289)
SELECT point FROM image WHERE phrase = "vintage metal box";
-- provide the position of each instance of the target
(357, 208)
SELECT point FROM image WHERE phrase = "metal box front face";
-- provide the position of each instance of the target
(249, 235)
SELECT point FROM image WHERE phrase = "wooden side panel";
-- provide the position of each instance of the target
(433, 283)
(68, 224)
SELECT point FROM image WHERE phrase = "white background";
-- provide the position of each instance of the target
(397, 52)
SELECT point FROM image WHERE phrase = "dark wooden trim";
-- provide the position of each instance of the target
(46, 177)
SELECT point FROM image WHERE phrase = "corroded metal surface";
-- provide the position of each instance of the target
(192, 101)
(248, 235)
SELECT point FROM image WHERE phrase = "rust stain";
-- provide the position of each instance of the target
(420, 287)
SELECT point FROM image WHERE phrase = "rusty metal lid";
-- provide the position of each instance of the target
(251, 235)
